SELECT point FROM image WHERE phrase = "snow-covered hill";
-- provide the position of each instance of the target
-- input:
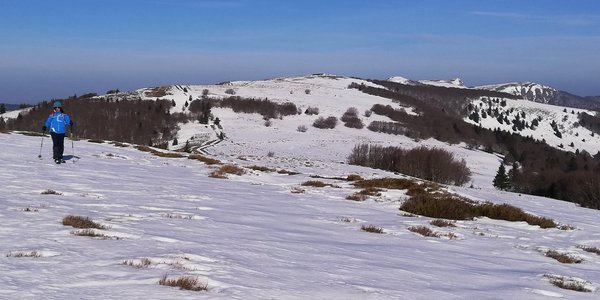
(527, 90)
(262, 235)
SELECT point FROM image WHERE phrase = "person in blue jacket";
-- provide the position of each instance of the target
(56, 123)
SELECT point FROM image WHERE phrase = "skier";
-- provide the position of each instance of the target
(56, 122)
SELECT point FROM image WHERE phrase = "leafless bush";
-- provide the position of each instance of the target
(143, 263)
(302, 128)
(357, 197)
(371, 228)
(268, 123)
(230, 91)
(351, 119)
(81, 222)
(435, 164)
(23, 254)
(325, 123)
(568, 284)
(354, 177)
(315, 183)
(91, 233)
(307, 91)
(261, 168)
(184, 283)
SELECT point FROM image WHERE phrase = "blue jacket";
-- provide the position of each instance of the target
(57, 121)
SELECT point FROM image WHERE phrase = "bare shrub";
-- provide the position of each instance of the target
(325, 123)
(184, 283)
(268, 123)
(261, 168)
(370, 191)
(442, 223)
(270, 154)
(435, 164)
(424, 231)
(387, 183)
(97, 141)
(351, 119)
(230, 91)
(371, 228)
(287, 172)
(302, 128)
(563, 257)
(168, 154)
(81, 222)
(307, 91)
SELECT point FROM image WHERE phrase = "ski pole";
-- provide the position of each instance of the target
(41, 145)
(72, 144)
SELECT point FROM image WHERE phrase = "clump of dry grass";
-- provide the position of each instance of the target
(357, 197)
(442, 223)
(566, 227)
(227, 169)
(168, 154)
(371, 228)
(29, 209)
(81, 222)
(261, 169)
(424, 231)
(50, 192)
(568, 284)
(119, 144)
(563, 257)
(448, 206)
(177, 216)
(354, 177)
(315, 183)
(91, 233)
(395, 183)
(23, 254)
(595, 250)
(97, 141)
(287, 172)
(184, 283)
(143, 263)
(204, 159)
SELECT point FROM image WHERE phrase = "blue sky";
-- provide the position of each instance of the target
(53, 49)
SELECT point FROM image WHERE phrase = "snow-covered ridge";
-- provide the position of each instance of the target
(527, 90)
(452, 83)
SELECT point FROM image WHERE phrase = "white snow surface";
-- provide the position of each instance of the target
(251, 237)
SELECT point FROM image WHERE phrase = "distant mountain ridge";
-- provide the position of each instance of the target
(526, 90)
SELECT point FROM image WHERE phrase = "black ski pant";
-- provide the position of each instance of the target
(58, 145)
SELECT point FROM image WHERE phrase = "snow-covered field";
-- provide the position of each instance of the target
(250, 237)
(255, 236)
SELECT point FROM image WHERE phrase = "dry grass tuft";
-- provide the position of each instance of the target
(315, 183)
(261, 169)
(167, 154)
(227, 169)
(158, 92)
(354, 177)
(371, 228)
(143, 263)
(96, 141)
(81, 222)
(563, 257)
(23, 254)
(184, 283)
(424, 231)
(50, 192)
(287, 172)
(357, 197)
(568, 284)
(92, 233)
(566, 227)
(448, 206)
(143, 148)
(442, 223)
(119, 144)
(595, 250)
(204, 159)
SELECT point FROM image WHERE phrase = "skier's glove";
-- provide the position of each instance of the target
(43, 128)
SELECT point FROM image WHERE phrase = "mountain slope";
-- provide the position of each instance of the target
(249, 236)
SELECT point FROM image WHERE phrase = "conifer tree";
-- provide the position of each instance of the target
(501, 180)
